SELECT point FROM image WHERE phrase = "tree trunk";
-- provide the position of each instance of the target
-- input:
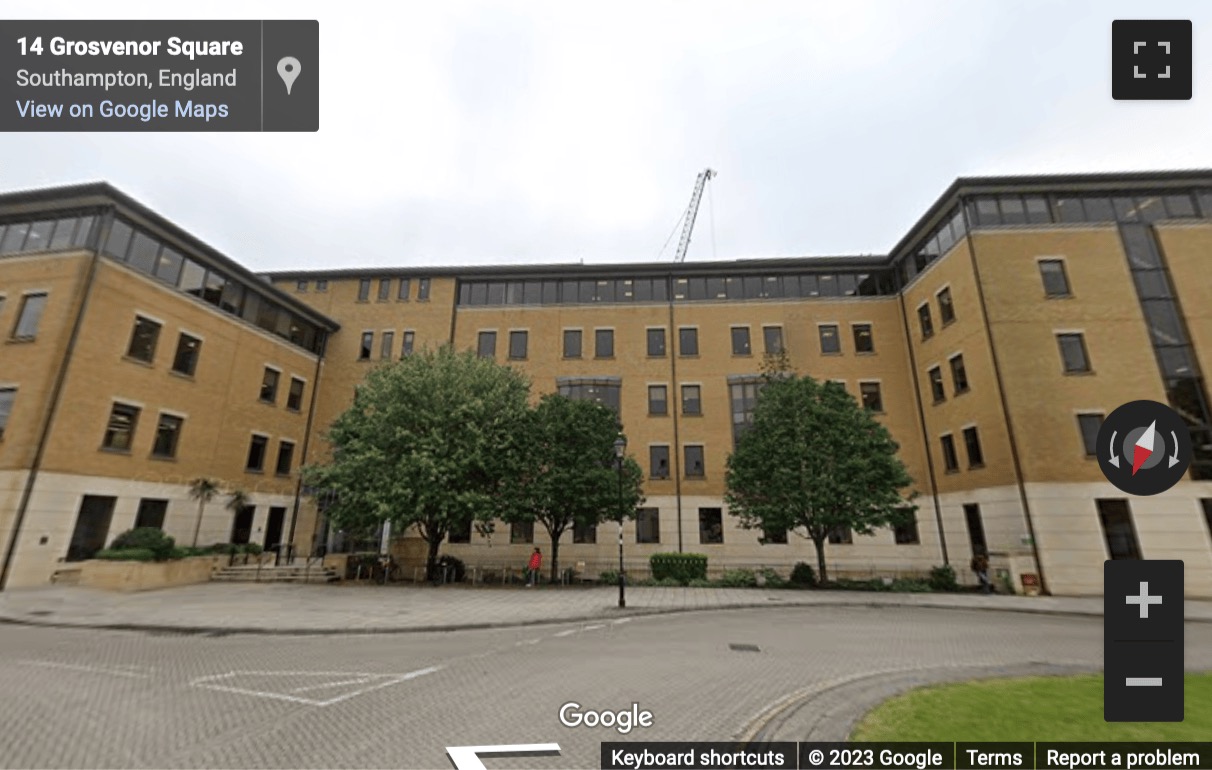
(431, 559)
(198, 523)
(822, 576)
(555, 558)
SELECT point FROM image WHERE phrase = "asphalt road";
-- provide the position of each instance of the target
(102, 699)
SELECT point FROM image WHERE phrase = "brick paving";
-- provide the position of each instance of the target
(303, 609)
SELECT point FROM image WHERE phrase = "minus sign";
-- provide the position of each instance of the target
(1143, 681)
(1142, 641)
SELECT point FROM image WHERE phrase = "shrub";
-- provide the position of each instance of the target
(149, 538)
(943, 578)
(912, 586)
(701, 584)
(773, 579)
(253, 549)
(180, 553)
(803, 575)
(738, 578)
(608, 577)
(682, 567)
(126, 554)
(457, 569)
(668, 582)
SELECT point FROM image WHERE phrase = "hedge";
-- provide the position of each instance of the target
(682, 567)
(126, 554)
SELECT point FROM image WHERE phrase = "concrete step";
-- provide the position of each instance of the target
(271, 574)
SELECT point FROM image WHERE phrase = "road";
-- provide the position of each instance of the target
(80, 698)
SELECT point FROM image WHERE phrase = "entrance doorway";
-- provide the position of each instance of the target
(976, 528)
(92, 527)
(241, 527)
(273, 528)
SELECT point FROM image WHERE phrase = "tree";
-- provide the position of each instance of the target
(203, 490)
(569, 475)
(814, 459)
(429, 441)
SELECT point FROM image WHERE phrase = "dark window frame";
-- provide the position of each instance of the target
(286, 452)
(150, 342)
(837, 337)
(688, 341)
(1069, 366)
(261, 441)
(191, 354)
(364, 290)
(946, 308)
(368, 346)
(938, 388)
(745, 348)
(1089, 442)
(973, 448)
(711, 526)
(648, 525)
(603, 343)
(878, 408)
(1061, 274)
(1108, 508)
(689, 462)
(856, 331)
(656, 454)
(133, 413)
(658, 407)
(655, 341)
(950, 453)
(270, 383)
(519, 351)
(960, 383)
(569, 335)
(177, 424)
(486, 343)
(697, 400)
(780, 345)
(294, 400)
(925, 320)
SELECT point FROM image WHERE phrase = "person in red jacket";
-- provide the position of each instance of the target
(533, 567)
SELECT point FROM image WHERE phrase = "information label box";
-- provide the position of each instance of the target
(178, 75)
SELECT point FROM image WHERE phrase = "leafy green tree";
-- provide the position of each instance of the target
(430, 441)
(815, 460)
(569, 475)
(203, 490)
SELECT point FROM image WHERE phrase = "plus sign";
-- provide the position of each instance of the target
(1144, 600)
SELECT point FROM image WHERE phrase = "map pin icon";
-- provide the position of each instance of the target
(288, 70)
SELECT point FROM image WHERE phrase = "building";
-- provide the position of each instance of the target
(991, 340)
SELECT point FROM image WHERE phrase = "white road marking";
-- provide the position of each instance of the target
(621, 620)
(89, 669)
(594, 628)
(206, 682)
(569, 632)
(330, 684)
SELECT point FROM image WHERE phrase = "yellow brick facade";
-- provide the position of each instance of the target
(1020, 470)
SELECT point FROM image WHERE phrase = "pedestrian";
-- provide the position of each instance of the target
(980, 565)
(533, 567)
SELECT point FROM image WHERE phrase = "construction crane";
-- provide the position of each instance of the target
(692, 212)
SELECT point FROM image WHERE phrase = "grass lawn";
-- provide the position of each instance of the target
(1028, 709)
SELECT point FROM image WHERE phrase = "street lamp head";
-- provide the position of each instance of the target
(620, 447)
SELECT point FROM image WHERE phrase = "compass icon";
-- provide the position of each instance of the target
(1144, 448)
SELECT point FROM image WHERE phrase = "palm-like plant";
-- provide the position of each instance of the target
(203, 490)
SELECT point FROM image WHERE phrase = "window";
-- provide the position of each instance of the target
(950, 457)
(744, 398)
(1073, 353)
(368, 342)
(740, 341)
(605, 391)
(460, 532)
(185, 361)
(1056, 282)
(167, 432)
(301, 286)
(486, 347)
(656, 343)
(1116, 520)
(151, 513)
(1206, 504)
(658, 400)
(521, 532)
(29, 316)
(923, 317)
(830, 342)
(869, 392)
(410, 339)
(692, 403)
(405, 286)
(772, 337)
(572, 343)
(364, 290)
(863, 341)
(1089, 424)
(936, 384)
(694, 461)
(143, 340)
(946, 308)
(688, 341)
(286, 453)
(7, 396)
(959, 375)
(603, 343)
(387, 345)
(256, 454)
(841, 536)
(294, 398)
(972, 442)
(658, 461)
(648, 525)
(584, 534)
(905, 533)
(711, 526)
(321, 285)
(384, 289)
(120, 431)
(976, 528)
(517, 344)
(773, 537)
(269, 385)
(423, 288)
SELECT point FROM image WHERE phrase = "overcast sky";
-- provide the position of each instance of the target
(528, 132)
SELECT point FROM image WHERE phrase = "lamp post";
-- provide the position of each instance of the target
(620, 451)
